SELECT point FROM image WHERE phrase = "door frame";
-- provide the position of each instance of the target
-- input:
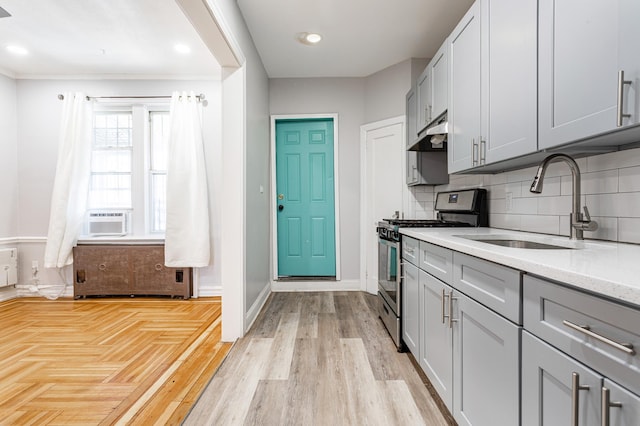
(365, 188)
(273, 190)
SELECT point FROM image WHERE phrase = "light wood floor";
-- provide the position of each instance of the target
(316, 359)
(106, 361)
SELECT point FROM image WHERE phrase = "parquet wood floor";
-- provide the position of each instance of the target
(106, 361)
(317, 359)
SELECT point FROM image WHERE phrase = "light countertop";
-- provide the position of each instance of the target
(606, 268)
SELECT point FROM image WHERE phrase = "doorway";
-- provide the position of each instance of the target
(304, 197)
(382, 188)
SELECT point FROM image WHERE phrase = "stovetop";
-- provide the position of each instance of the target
(421, 223)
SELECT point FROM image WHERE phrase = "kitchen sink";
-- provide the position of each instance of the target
(513, 241)
(524, 244)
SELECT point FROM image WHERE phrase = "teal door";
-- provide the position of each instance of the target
(305, 198)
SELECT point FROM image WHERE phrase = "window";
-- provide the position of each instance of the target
(158, 171)
(129, 165)
(111, 161)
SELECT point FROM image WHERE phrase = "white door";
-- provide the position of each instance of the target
(382, 187)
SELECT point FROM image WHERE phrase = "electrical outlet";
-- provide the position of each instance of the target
(509, 201)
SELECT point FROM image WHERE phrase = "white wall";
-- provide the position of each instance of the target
(8, 159)
(344, 96)
(38, 120)
(8, 171)
(248, 288)
(610, 188)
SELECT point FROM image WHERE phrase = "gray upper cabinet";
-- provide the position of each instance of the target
(509, 79)
(464, 94)
(439, 69)
(583, 47)
(433, 88)
(423, 168)
(424, 106)
(493, 93)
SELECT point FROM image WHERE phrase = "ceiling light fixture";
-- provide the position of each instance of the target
(309, 38)
(182, 48)
(17, 50)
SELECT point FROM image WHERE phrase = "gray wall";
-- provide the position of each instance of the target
(385, 92)
(345, 97)
(8, 159)
(357, 101)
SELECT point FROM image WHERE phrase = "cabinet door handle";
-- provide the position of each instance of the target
(585, 329)
(451, 299)
(576, 387)
(621, 84)
(443, 297)
(474, 152)
(606, 405)
(483, 149)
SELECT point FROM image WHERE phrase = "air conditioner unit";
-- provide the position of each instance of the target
(107, 223)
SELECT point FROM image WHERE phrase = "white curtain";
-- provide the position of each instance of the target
(71, 184)
(187, 233)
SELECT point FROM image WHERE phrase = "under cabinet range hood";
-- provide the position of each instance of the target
(433, 137)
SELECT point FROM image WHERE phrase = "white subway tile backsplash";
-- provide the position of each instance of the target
(525, 205)
(613, 160)
(541, 224)
(629, 180)
(629, 230)
(603, 182)
(554, 205)
(607, 229)
(610, 188)
(505, 221)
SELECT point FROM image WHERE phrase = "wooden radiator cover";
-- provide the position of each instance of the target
(127, 270)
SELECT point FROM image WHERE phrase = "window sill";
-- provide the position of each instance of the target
(125, 239)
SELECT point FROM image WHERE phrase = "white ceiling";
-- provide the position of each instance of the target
(136, 38)
(101, 38)
(360, 36)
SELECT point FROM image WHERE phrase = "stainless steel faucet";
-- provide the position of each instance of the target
(578, 223)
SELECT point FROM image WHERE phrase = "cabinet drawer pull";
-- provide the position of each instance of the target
(621, 84)
(451, 299)
(474, 152)
(158, 267)
(442, 306)
(585, 329)
(576, 387)
(606, 405)
(102, 266)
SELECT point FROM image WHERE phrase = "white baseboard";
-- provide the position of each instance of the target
(8, 293)
(253, 312)
(342, 285)
(209, 290)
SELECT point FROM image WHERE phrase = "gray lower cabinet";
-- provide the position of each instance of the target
(553, 383)
(573, 340)
(548, 389)
(486, 365)
(436, 338)
(470, 353)
(410, 308)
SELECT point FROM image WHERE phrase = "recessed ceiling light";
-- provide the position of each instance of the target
(309, 38)
(17, 50)
(182, 48)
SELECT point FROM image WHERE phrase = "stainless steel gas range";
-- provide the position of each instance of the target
(464, 208)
